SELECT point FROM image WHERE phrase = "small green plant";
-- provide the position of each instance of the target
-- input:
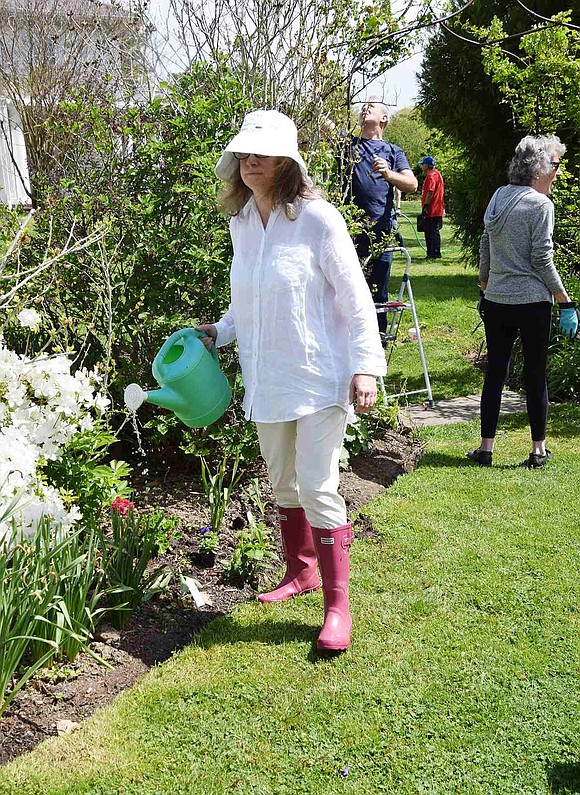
(253, 494)
(218, 494)
(209, 540)
(252, 554)
(163, 529)
(126, 553)
(359, 436)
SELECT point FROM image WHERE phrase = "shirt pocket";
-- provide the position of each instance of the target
(289, 268)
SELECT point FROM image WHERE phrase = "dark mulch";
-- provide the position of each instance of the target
(168, 623)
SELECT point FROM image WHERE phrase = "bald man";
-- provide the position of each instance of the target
(378, 167)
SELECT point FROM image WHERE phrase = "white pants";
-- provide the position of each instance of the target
(302, 458)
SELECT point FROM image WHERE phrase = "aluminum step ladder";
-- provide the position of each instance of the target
(394, 311)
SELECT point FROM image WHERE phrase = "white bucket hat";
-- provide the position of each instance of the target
(263, 132)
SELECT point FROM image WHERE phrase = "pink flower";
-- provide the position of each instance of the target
(122, 506)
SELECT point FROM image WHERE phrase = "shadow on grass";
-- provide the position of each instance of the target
(434, 459)
(564, 777)
(443, 286)
(228, 630)
(563, 420)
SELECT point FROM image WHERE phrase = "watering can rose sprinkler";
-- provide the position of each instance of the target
(191, 382)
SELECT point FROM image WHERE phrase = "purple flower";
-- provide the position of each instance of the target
(207, 529)
(344, 771)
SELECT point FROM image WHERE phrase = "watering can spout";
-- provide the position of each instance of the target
(167, 398)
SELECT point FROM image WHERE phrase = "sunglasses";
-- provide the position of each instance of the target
(555, 164)
(245, 155)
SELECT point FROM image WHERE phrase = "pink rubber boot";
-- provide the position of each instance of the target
(300, 556)
(333, 552)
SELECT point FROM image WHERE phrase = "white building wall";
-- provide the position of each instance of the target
(14, 177)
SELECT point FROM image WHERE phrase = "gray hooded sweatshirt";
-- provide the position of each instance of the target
(516, 251)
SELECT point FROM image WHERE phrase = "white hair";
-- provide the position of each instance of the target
(533, 157)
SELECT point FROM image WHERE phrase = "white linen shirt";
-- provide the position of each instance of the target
(301, 311)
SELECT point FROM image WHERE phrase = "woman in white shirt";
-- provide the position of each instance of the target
(308, 343)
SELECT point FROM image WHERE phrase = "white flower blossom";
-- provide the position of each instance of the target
(42, 407)
(29, 318)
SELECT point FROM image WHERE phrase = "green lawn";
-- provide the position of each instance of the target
(446, 294)
(463, 676)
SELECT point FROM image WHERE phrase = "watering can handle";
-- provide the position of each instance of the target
(212, 350)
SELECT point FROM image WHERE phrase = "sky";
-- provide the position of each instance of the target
(398, 86)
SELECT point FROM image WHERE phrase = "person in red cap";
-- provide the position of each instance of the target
(433, 208)
(308, 342)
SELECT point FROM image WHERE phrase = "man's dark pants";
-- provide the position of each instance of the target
(378, 281)
(431, 228)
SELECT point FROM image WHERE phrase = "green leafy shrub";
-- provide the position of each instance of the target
(164, 262)
(81, 476)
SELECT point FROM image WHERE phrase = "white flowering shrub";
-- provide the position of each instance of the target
(42, 407)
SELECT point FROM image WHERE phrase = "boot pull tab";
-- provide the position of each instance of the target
(347, 540)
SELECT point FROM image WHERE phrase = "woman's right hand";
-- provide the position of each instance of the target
(211, 334)
(569, 319)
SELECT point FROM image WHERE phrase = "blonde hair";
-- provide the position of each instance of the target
(289, 184)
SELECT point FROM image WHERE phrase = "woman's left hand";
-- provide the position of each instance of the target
(365, 387)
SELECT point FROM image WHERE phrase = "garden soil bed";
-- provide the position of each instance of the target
(58, 700)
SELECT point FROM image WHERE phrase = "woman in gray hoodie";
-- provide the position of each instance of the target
(518, 283)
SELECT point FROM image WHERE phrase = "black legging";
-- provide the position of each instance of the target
(502, 324)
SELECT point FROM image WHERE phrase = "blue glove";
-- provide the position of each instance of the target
(481, 304)
(569, 319)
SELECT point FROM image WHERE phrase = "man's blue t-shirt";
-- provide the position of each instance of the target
(369, 190)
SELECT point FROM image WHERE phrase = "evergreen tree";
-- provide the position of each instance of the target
(458, 97)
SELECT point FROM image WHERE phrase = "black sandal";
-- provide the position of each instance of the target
(536, 460)
(481, 457)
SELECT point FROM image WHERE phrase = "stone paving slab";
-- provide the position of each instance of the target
(460, 409)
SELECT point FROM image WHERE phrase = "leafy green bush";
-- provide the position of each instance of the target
(163, 260)
(81, 476)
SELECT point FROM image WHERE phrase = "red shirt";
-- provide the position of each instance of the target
(434, 182)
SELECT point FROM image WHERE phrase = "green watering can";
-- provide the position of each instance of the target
(192, 384)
